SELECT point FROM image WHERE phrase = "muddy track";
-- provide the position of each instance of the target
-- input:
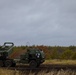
(43, 67)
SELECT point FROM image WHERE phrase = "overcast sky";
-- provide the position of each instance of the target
(38, 22)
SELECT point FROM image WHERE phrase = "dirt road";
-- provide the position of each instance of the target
(43, 67)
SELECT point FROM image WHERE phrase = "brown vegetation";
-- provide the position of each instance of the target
(51, 52)
(52, 72)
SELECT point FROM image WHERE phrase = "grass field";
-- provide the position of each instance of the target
(63, 62)
(52, 72)
(6, 71)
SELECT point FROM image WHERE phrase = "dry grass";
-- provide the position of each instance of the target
(52, 72)
(7, 71)
(56, 61)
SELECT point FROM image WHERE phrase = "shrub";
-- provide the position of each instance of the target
(67, 54)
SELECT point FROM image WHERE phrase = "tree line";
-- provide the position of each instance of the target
(54, 52)
(51, 52)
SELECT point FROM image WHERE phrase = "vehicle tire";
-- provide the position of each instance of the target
(1, 63)
(13, 65)
(38, 65)
(8, 63)
(33, 64)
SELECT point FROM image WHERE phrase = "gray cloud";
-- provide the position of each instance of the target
(47, 22)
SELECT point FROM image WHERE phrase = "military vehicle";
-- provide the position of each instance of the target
(34, 57)
(5, 51)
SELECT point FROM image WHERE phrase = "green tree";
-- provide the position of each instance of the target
(67, 54)
(54, 54)
(74, 56)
